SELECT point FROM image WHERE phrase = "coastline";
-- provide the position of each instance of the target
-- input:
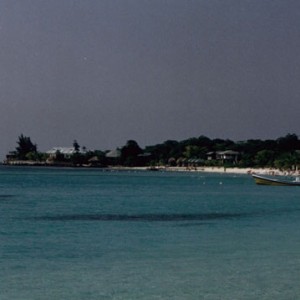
(232, 170)
(219, 170)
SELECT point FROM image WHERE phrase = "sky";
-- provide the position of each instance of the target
(104, 72)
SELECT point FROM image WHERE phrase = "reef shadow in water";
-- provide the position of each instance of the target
(192, 224)
(141, 217)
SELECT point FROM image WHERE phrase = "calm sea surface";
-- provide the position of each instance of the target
(93, 234)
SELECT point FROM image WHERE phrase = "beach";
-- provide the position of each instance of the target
(204, 169)
(231, 170)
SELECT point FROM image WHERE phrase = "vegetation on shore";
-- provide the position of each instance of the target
(282, 153)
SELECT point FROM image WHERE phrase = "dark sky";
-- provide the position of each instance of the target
(104, 72)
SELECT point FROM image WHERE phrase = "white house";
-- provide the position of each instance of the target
(67, 152)
(114, 153)
(225, 156)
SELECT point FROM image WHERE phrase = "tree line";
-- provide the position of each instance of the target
(281, 153)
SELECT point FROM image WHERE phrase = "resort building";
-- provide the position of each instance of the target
(114, 153)
(67, 152)
(225, 156)
(113, 157)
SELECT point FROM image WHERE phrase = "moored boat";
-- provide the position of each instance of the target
(263, 180)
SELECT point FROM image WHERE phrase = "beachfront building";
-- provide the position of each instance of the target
(211, 156)
(113, 153)
(66, 152)
(228, 156)
(12, 155)
(113, 157)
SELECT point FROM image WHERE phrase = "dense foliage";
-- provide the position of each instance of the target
(282, 153)
(25, 149)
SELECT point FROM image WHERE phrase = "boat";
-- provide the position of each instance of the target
(263, 180)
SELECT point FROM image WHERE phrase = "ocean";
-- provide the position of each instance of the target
(97, 234)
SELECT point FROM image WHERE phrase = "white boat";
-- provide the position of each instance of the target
(264, 180)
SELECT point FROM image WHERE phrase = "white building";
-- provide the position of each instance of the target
(225, 156)
(67, 152)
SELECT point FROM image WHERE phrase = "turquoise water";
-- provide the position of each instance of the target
(92, 234)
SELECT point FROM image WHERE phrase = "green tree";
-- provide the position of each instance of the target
(77, 159)
(191, 151)
(130, 152)
(76, 146)
(288, 161)
(36, 156)
(288, 143)
(24, 147)
(59, 157)
(265, 158)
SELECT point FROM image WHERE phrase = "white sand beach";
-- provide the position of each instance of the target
(265, 171)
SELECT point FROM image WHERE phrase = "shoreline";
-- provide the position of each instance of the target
(218, 170)
(232, 170)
